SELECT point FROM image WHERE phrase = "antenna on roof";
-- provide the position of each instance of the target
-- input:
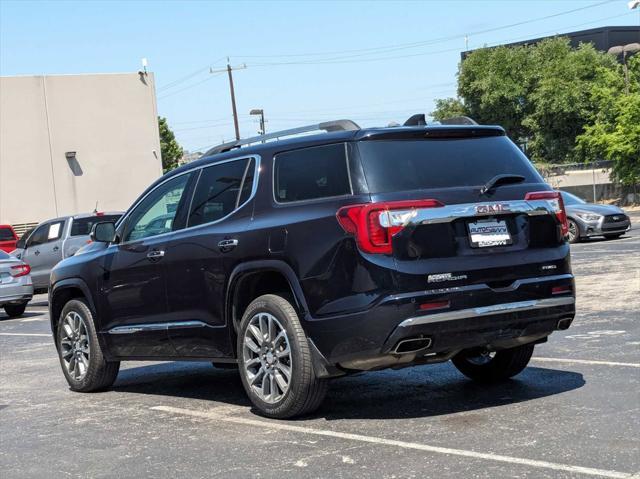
(416, 120)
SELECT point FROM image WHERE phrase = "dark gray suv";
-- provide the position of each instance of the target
(312, 257)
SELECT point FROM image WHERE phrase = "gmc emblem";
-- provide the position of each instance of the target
(616, 218)
(497, 208)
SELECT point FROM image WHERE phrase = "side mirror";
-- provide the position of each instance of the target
(103, 232)
(21, 243)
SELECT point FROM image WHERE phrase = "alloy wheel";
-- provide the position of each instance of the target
(573, 231)
(267, 358)
(74, 345)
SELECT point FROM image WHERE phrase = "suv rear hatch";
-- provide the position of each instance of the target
(431, 212)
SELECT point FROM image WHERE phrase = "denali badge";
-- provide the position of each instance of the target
(439, 278)
(496, 208)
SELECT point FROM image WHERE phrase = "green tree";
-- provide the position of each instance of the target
(448, 108)
(561, 97)
(541, 94)
(614, 129)
(170, 150)
(495, 85)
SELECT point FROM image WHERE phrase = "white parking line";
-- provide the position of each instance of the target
(587, 361)
(26, 334)
(223, 414)
(29, 320)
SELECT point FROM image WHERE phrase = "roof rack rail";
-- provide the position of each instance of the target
(328, 126)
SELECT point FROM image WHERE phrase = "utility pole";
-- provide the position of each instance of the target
(229, 71)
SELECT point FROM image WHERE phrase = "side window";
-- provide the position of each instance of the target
(317, 172)
(220, 190)
(155, 214)
(39, 236)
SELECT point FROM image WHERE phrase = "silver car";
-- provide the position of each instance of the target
(588, 219)
(54, 240)
(16, 288)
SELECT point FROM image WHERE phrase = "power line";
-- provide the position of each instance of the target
(190, 86)
(403, 46)
(189, 76)
(344, 57)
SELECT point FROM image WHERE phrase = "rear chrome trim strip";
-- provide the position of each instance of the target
(448, 213)
(476, 287)
(137, 328)
(489, 310)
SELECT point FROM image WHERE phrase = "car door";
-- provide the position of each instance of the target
(133, 303)
(43, 252)
(200, 258)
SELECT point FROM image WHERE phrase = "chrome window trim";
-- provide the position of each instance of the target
(482, 311)
(197, 169)
(321, 198)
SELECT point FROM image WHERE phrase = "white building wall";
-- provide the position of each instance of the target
(109, 120)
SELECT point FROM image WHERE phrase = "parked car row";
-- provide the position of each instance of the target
(26, 263)
(52, 241)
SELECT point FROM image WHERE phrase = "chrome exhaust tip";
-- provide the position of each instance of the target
(411, 345)
(564, 323)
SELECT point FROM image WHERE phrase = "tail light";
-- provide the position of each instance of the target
(20, 270)
(561, 289)
(374, 224)
(554, 198)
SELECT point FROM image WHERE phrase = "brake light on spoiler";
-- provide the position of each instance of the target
(554, 198)
(374, 224)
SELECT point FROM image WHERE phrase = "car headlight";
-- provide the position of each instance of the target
(589, 216)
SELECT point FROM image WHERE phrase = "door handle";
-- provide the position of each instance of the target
(155, 254)
(55, 248)
(36, 252)
(227, 245)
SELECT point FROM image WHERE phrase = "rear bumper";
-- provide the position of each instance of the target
(395, 335)
(20, 291)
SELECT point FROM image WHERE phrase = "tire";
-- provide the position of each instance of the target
(502, 365)
(614, 236)
(304, 391)
(574, 231)
(15, 310)
(99, 373)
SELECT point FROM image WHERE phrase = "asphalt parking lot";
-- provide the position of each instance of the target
(575, 412)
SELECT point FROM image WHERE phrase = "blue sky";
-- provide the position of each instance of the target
(372, 62)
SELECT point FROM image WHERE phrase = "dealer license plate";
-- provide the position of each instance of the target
(484, 234)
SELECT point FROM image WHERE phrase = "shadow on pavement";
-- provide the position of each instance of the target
(436, 390)
(27, 314)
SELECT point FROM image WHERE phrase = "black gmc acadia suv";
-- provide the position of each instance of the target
(320, 255)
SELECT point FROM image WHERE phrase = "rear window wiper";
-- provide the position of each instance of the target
(501, 180)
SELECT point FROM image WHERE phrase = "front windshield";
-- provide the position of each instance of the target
(570, 199)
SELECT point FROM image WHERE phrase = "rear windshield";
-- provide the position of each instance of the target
(6, 234)
(420, 164)
(82, 226)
